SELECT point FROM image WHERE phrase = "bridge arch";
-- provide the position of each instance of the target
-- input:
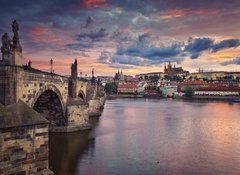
(81, 95)
(49, 102)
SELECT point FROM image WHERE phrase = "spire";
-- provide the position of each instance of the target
(169, 66)
(93, 78)
(92, 72)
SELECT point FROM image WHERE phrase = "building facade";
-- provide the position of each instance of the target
(127, 88)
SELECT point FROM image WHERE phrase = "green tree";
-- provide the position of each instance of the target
(189, 91)
(238, 79)
(111, 88)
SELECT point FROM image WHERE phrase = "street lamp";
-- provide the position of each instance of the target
(51, 63)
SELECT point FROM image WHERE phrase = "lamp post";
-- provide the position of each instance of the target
(51, 63)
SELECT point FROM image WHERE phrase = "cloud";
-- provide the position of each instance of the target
(115, 61)
(95, 3)
(93, 35)
(234, 61)
(150, 52)
(197, 45)
(142, 53)
(89, 21)
(176, 13)
(87, 40)
(120, 37)
(130, 60)
(38, 30)
(79, 46)
(105, 57)
(226, 44)
(143, 37)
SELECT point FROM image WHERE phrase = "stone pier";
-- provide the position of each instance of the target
(23, 141)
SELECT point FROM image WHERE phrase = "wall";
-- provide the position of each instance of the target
(17, 83)
(78, 115)
(34, 84)
(24, 150)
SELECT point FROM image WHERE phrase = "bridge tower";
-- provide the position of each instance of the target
(72, 84)
(10, 67)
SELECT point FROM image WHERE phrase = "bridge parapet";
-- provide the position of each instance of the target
(64, 101)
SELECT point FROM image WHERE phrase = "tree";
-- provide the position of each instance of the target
(189, 91)
(154, 78)
(111, 88)
(238, 79)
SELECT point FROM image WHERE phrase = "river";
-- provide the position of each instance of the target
(152, 137)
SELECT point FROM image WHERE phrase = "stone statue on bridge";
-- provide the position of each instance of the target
(74, 72)
(6, 44)
(15, 28)
(16, 43)
(11, 49)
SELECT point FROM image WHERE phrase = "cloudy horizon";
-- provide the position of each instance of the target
(135, 36)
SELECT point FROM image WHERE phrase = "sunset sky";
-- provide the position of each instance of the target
(135, 36)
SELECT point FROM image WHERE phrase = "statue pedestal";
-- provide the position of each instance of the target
(12, 58)
(17, 58)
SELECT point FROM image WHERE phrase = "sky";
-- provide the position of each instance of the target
(135, 36)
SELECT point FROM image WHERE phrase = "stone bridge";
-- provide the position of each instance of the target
(67, 102)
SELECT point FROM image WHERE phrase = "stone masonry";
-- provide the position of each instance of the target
(23, 141)
(34, 102)
(66, 102)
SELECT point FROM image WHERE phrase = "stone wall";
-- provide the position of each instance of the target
(78, 115)
(29, 84)
(23, 140)
(17, 83)
(24, 150)
(34, 84)
(102, 101)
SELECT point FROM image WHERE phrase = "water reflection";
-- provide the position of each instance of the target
(139, 136)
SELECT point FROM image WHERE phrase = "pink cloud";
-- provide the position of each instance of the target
(186, 12)
(47, 39)
(38, 31)
(95, 3)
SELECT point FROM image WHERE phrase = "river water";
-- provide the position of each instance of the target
(152, 137)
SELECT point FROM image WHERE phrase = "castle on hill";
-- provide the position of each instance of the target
(173, 70)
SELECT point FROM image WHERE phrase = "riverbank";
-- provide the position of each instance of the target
(220, 98)
(114, 96)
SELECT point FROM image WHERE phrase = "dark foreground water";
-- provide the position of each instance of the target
(153, 137)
